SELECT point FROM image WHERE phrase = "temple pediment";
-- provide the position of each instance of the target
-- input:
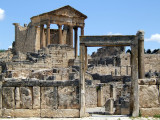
(66, 11)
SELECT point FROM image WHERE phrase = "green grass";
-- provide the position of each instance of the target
(156, 116)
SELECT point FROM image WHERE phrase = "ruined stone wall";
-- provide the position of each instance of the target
(49, 57)
(149, 97)
(25, 38)
(39, 98)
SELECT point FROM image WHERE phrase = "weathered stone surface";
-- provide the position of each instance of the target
(8, 97)
(149, 112)
(17, 98)
(0, 112)
(49, 98)
(68, 97)
(25, 113)
(63, 113)
(151, 81)
(91, 96)
(26, 97)
(7, 113)
(0, 94)
(148, 96)
(36, 97)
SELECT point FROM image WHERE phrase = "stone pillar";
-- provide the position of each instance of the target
(41, 36)
(86, 59)
(71, 36)
(140, 35)
(0, 95)
(48, 34)
(75, 41)
(60, 33)
(82, 31)
(134, 102)
(82, 81)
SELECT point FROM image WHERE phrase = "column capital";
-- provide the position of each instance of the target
(140, 34)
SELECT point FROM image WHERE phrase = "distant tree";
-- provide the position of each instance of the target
(128, 51)
(155, 51)
(149, 51)
(2, 50)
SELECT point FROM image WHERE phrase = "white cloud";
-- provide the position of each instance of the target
(110, 33)
(2, 14)
(10, 46)
(154, 37)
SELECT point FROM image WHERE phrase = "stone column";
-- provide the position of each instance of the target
(60, 34)
(75, 41)
(0, 95)
(71, 35)
(82, 81)
(140, 35)
(134, 102)
(48, 34)
(86, 59)
(82, 31)
(41, 36)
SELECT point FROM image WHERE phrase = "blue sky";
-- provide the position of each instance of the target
(105, 17)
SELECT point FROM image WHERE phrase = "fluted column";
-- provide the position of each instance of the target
(60, 33)
(71, 35)
(48, 34)
(75, 41)
(82, 30)
(41, 36)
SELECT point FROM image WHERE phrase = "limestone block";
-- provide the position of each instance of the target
(149, 112)
(8, 101)
(151, 81)
(60, 113)
(68, 97)
(17, 98)
(148, 96)
(24, 113)
(91, 96)
(0, 95)
(106, 93)
(49, 97)
(36, 97)
(7, 113)
(26, 97)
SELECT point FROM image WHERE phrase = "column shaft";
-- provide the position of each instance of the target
(86, 59)
(140, 35)
(82, 31)
(48, 34)
(134, 102)
(82, 81)
(71, 35)
(60, 34)
(75, 41)
(41, 36)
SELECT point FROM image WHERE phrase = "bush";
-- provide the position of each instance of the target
(2, 50)
(157, 116)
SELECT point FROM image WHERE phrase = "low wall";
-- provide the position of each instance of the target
(39, 98)
(149, 97)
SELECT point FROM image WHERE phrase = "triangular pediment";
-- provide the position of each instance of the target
(67, 11)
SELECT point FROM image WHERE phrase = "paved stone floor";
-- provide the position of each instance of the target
(94, 117)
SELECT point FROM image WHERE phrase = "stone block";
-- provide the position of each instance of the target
(25, 113)
(60, 113)
(49, 98)
(125, 111)
(68, 97)
(8, 101)
(7, 113)
(17, 98)
(26, 97)
(149, 112)
(0, 95)
(151, 81)
(36, 97)
(148, 96)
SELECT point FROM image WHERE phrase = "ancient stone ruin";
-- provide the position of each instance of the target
(42, 75)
